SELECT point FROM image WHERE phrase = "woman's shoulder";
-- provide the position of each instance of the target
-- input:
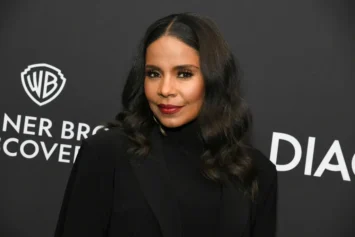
(267, 172)
(262, 162)
(105, 140)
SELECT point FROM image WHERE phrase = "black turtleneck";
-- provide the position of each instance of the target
(199, 198)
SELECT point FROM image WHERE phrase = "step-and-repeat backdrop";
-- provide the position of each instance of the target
(298, 62)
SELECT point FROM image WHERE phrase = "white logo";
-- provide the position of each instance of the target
(327, 163)
(42, 82)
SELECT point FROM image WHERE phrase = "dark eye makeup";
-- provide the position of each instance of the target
(180, 74)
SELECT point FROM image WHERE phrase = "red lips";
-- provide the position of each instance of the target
(168, 106)
(169, 109)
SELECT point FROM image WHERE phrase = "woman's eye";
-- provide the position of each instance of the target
(152, 74)
(185, 74)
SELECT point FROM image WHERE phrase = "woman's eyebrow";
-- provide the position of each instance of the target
(175, 68)
(185, 66)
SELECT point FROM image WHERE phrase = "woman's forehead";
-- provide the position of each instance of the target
(171, 51)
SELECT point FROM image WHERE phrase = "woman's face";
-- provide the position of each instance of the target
(173, 83)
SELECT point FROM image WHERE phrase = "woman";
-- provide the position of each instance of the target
(177, 160)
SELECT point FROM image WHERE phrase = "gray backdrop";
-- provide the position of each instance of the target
(298, 62)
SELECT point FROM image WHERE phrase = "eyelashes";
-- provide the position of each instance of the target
(151, 74)
(181, 74)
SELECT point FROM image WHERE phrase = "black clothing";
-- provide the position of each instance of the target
(113, 193)
(198, 198)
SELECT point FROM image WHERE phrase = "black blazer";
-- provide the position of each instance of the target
(110, 193)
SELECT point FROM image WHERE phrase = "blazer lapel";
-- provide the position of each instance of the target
(154, 180)
(235, 212)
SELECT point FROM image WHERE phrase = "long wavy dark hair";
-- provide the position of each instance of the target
(224, 119)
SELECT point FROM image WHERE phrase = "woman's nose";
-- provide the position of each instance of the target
(166, 87)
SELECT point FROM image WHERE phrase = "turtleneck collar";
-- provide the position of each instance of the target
(186, 136)
(191, 128)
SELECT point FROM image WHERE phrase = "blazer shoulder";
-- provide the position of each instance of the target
(266, 171)
(105, 137)
(106, 140)
(263, 163)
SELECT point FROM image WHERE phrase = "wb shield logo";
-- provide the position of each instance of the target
(42, 82)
